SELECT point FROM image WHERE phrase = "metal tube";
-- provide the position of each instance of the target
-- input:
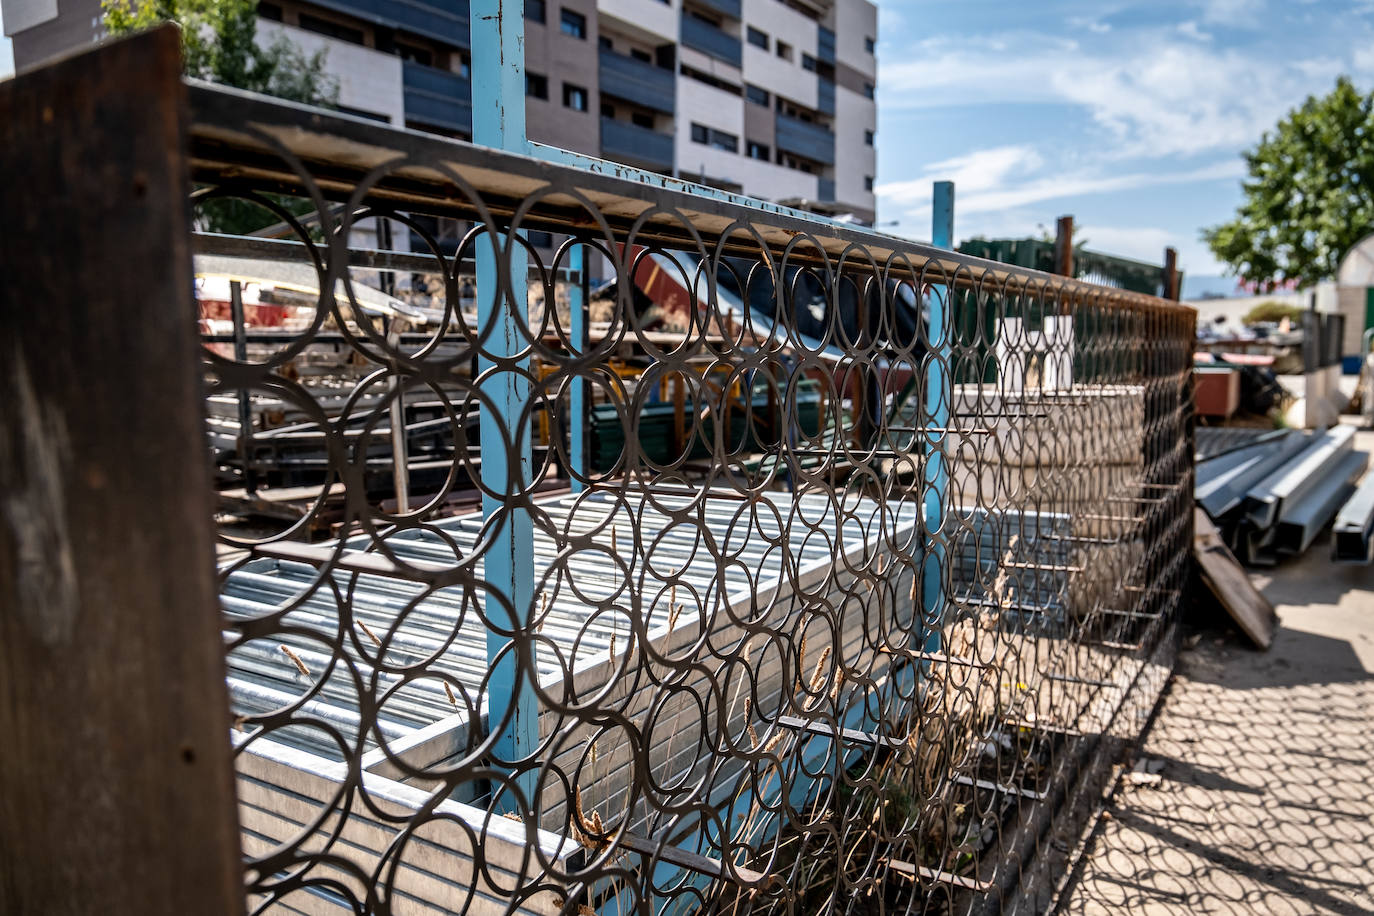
(250, 485)
(498, 121)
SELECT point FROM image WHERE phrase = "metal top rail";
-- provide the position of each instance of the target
(237, 134)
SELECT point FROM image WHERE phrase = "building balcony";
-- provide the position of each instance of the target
(436, 98)
(636, 81)
(637, 146)
(825, 45)
(802, 138)
(446, 21)
(825, 96)
(731, 8)
(706, 38)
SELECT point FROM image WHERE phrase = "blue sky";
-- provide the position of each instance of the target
(6, 54)
(1129, 115)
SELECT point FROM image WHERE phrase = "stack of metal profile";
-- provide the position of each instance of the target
(1271, 492)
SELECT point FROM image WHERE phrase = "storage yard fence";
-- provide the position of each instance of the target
(593, 545)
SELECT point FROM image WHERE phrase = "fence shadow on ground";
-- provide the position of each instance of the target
(1251, 794)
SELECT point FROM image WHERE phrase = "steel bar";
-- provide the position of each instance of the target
(1264, 501)
(1353, 531)
(1303, 519)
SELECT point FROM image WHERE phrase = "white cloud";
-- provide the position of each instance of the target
(981, 196)
(1152, 97)
(1232, 12)
(1190, 29)
(1096, 26)
(981, 170)
(1364, 58)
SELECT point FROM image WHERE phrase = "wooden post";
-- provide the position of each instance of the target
(116, 785)
(1171, 290)
(1063, 246)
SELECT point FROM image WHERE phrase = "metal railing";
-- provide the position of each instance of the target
(447, 21)
(813, 566)
(709, 39)
(638, 81)
(728, 559)
(804, 138)
(641, 146)
(436, 97)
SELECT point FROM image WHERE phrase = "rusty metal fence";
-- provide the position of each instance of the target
(605, 547)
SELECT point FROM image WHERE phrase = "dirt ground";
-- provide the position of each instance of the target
(1254, 790)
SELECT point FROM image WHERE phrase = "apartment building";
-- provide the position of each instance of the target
(771, 98)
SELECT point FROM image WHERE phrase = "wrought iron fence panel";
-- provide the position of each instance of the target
(786, 568)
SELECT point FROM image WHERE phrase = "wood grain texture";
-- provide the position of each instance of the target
(1228, 582)
(116, 790)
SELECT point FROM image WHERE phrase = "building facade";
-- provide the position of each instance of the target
(770, 98)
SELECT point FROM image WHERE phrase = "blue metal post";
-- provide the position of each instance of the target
(577, 330)
(498, 121)
(939, 397)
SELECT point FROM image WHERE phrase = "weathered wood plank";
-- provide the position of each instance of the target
(1228, 582)
(116, 792)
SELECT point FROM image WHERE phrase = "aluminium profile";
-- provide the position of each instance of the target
(1303, 519)
(1291, 482)
(1223, 481)
(1352, 538)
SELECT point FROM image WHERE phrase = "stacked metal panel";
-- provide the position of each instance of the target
(1271, 493)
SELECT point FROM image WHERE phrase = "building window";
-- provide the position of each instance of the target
(758, 151)
(571, 23)
(868, 182)
(868, 90)
(641, 55)
(640, 119)
(784, 50)
(758, 39)
(536, 85)
(332, 29)
(808, 62)
(605, 43)
(417, 55)
(869, 45)
(574, 97)
(270, 11)
(868, 138)
(756, 95)
(607, 110)
(540, 239)
(534, 10)
(717, 138)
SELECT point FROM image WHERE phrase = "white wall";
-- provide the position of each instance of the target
(855, 20)
(659, 18)
(368, 80)
(725, 111)
(18, 15)
(765, 68)
(853, 160)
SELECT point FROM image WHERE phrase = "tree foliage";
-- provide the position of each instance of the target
(1309, 196)
(1271, 310)
(218, 43)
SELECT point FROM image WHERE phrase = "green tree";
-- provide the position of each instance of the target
(1309, 196)
(218, 43)
(1273, 311)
